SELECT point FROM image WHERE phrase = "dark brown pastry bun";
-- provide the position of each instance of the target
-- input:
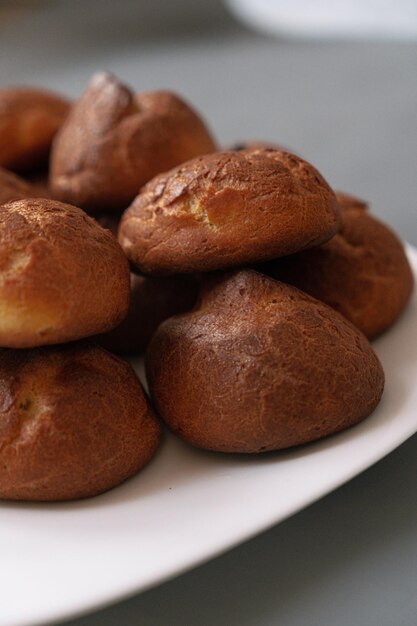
(362, 272)
(227, 209)
(114, 141)
(259, 366)
(29, 119)
(109, 221)
(74, 422)
(62, 276)
(12, 187)
(347, 201)
(152, 300)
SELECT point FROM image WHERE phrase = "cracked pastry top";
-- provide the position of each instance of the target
(259, 365)
(115, 140)
(74, 422)
(62, 276)
(227, 209)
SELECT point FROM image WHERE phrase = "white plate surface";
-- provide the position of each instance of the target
(187, 506)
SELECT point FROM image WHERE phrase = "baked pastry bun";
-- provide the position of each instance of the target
(227, 209)
(74, 422)
(152, 300)
(114, 141)
(63, 277)
(29, 119)
(362, 272)
(260, 366)
(348, 201)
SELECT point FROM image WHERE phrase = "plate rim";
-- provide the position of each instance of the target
(99, 603)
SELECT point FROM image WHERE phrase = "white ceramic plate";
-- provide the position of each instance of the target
(187, 506)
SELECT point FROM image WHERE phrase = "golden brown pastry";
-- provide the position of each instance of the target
(362, 272)
(114, 141)
(62, 276)
(260, 366)
(29, 119)
(74, 422)
(227, 209)
(152, 300)
(12, 187)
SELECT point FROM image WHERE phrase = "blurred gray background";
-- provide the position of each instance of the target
(349, 106)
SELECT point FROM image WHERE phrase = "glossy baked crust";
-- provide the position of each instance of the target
(227, 209)
(62, 276)
(363, 272)
(12, 187)
(29, 119)
(74, 422)
(259, 366)
(114, 141)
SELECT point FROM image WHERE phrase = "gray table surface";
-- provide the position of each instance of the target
(350, 108)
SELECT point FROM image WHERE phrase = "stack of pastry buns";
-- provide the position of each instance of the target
(251, 285)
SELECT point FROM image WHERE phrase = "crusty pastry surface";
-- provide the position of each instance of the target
(362, 272)
(114, 141)
(62, 276)
(259, 365)
(227, 209)
(74, 422)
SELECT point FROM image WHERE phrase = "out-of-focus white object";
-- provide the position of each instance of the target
(330, 18)
(187, 506)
